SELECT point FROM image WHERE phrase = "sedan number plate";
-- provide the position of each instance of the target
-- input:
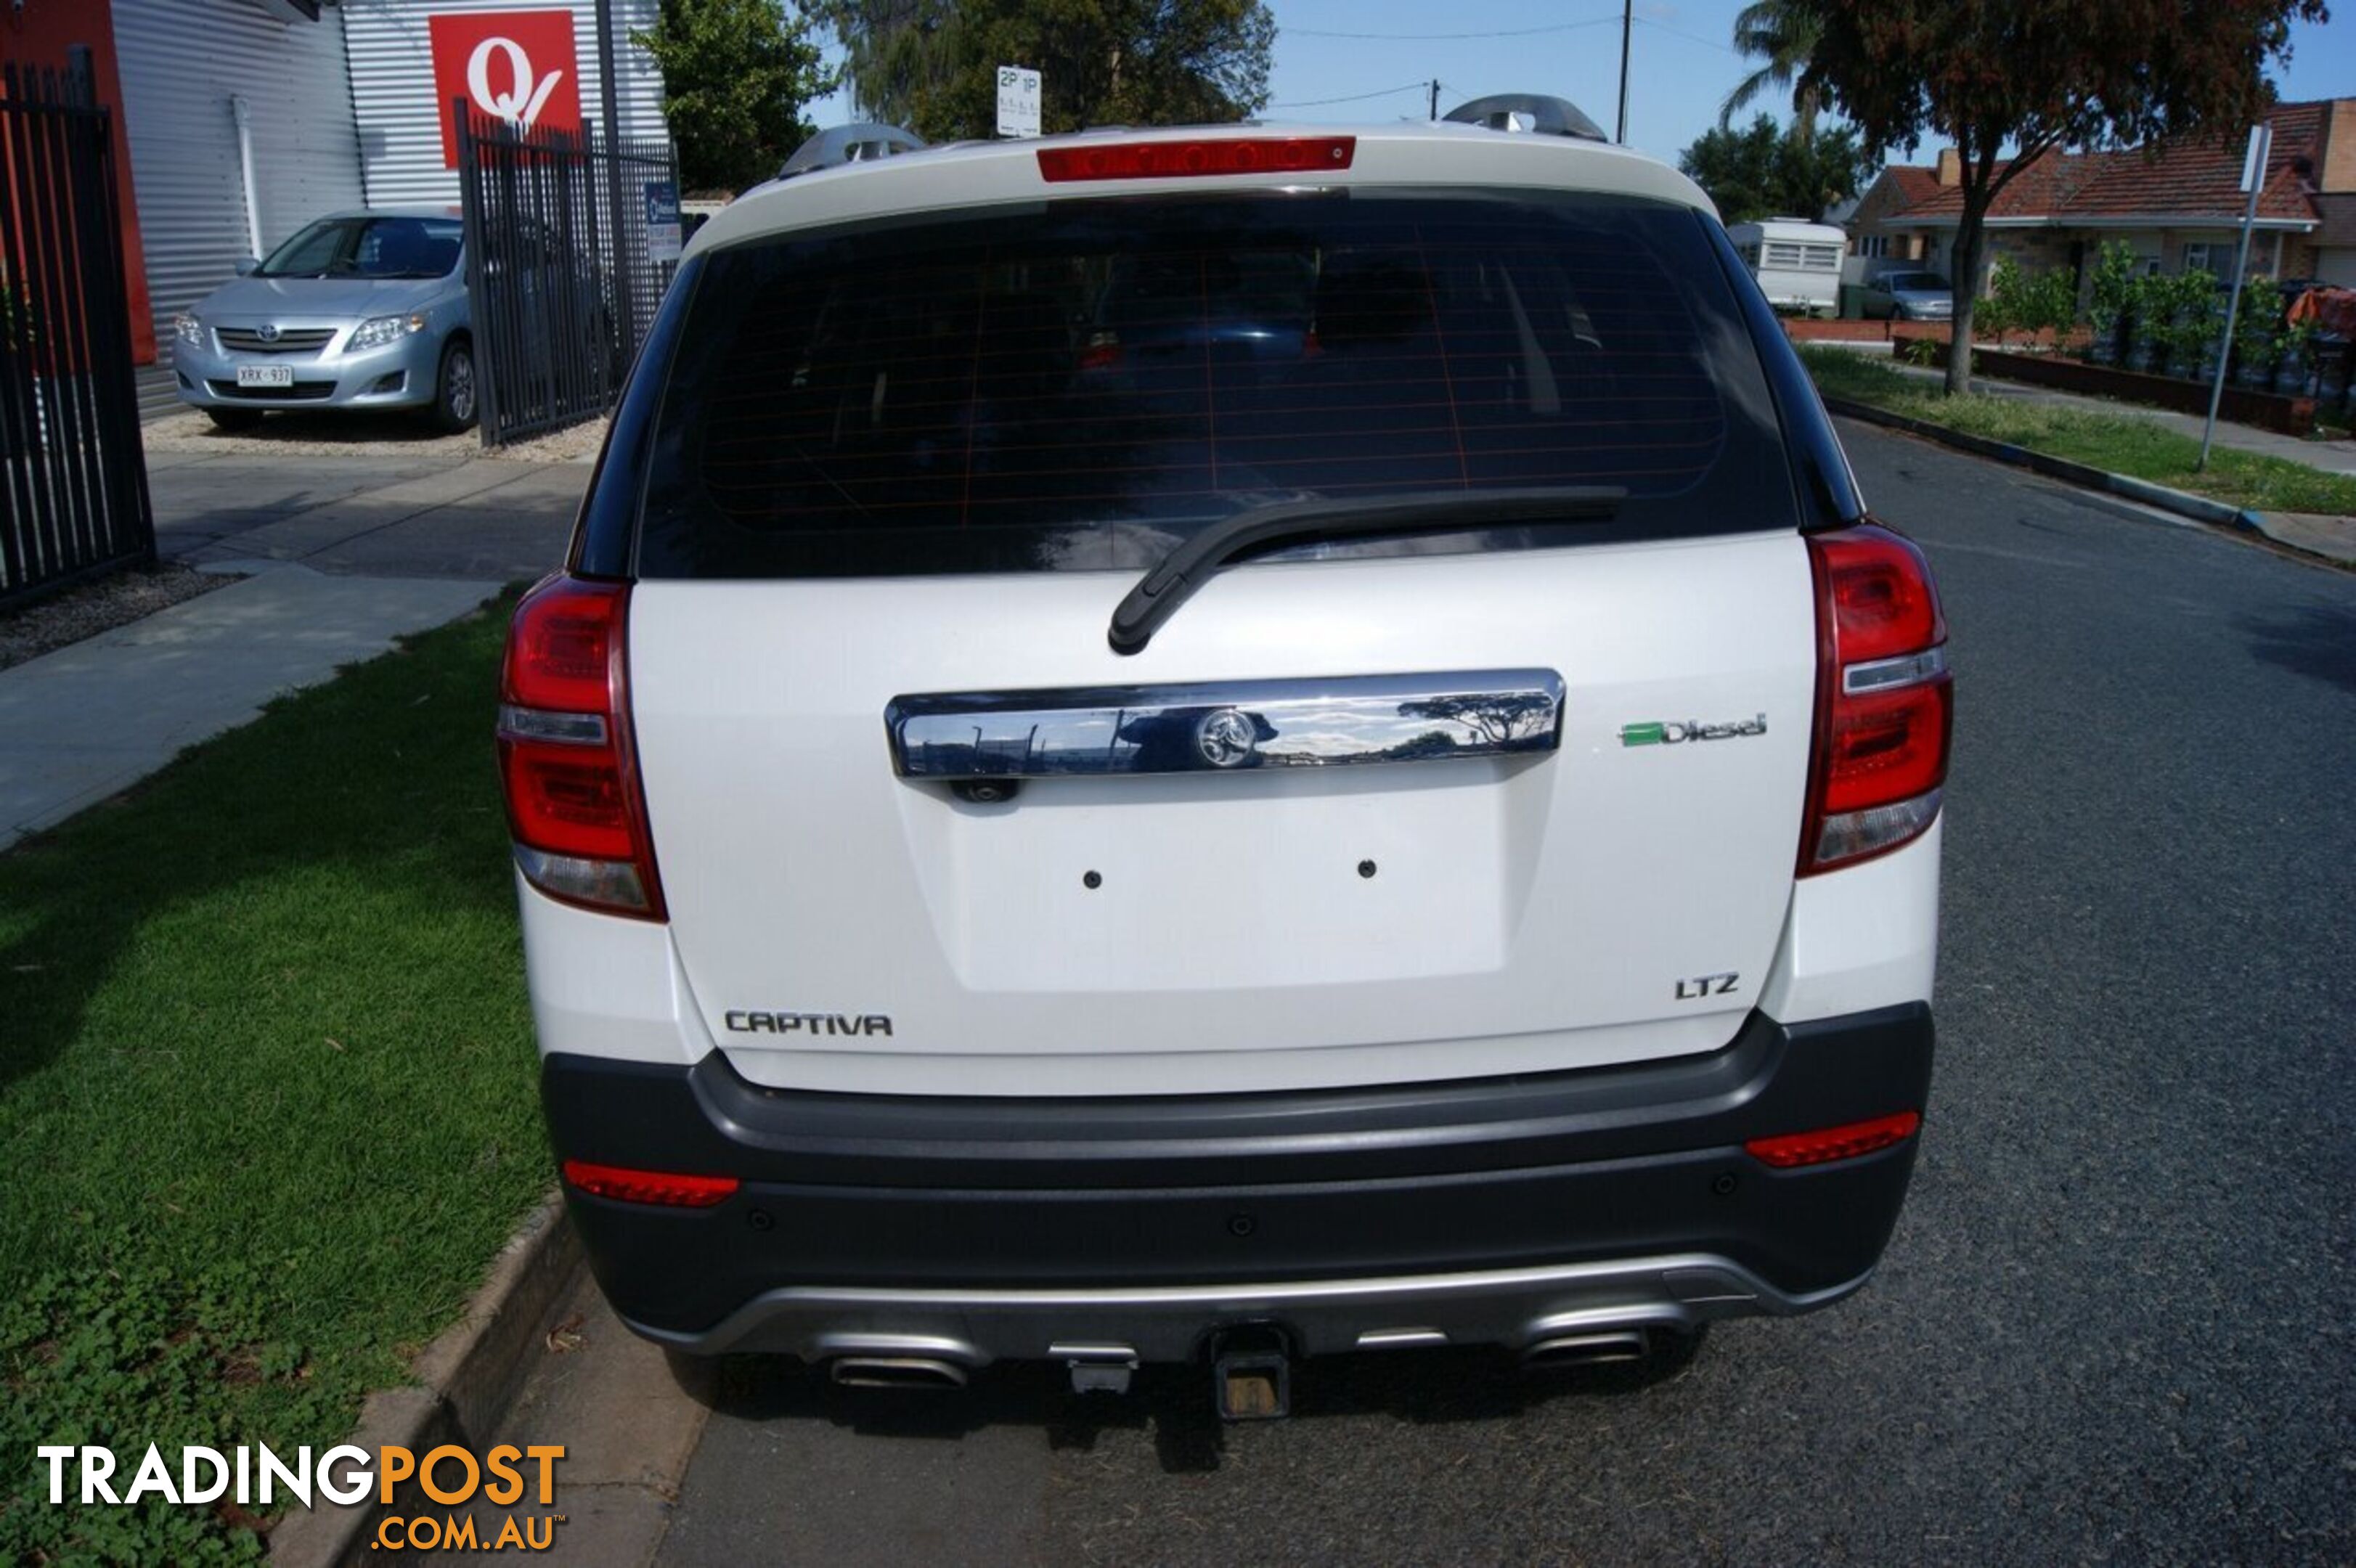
(265, 375)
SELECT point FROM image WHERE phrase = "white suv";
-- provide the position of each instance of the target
(1234, 742)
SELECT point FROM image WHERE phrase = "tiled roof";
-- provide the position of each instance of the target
(1916, 187)
(2187, 179)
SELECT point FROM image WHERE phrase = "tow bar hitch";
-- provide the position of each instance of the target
(1251, 1374)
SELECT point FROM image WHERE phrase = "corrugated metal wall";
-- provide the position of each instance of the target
(393, 78)
(181, 61)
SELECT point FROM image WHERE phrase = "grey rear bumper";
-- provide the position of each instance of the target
(1488, 1211)
(1516, 1309)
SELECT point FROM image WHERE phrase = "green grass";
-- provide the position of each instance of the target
(266, 1089)
(2120, 443)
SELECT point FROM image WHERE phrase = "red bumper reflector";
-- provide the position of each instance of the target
(1199, 156)
(1834, 1143)
(650, 1186)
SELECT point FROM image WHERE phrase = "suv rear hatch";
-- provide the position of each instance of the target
(1445, 802)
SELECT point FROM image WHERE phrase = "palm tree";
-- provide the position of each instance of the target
(1783, 33)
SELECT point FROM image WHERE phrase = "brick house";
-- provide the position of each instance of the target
(2179, 208)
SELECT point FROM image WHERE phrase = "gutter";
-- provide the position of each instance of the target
(2159, 497)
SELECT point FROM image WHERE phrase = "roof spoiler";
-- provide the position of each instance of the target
(1530, 114)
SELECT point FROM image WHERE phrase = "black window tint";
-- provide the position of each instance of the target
(1082, 384)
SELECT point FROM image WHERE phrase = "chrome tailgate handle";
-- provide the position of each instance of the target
(1220, 728)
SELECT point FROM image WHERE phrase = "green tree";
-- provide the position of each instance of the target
(932, 65)
(1764, 172)
(735, 76)
(896, 51)
(2035, 75)
(1784, 34)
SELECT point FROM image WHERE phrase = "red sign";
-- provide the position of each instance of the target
(517, 65)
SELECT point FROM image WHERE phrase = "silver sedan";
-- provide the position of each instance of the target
(1911, 296)
(359, 310)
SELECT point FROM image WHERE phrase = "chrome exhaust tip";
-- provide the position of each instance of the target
(1602, 1348)
(895, 1372)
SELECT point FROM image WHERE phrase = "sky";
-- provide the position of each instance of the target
(1681, 65)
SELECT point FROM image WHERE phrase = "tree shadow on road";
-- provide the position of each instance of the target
(1427, 1388)
(2317, 640)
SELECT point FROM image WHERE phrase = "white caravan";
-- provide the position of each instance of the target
(1798, 263)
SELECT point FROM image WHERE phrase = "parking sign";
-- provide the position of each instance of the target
(662, 221)
(1018, 100)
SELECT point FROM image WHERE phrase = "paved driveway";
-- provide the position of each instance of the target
(2113, 1325)
(427, 516)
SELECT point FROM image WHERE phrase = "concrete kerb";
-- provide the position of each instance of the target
(466, 1379)
(2197, 508)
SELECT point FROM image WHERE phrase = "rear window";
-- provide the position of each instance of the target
(1082, 384)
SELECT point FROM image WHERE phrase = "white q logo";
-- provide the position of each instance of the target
(521, 103)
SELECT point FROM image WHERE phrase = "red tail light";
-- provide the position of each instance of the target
(565, 751)
(1197, 156)
(1885, 700)
(650, 1186)
(1827, 1144)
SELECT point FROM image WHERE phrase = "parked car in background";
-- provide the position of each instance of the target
(1798, 263)
(1910, 296)
(359, 310)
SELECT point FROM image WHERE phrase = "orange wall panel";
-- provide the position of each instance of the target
(35, 34)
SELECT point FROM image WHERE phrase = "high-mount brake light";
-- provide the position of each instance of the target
(1827, 1144)
(1197, 156)
(1884, 699)
(566, 756)
(650, 1186)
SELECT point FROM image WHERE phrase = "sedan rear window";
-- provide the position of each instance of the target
(1082, 384)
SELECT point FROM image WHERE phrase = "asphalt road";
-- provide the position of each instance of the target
(2115, 1324)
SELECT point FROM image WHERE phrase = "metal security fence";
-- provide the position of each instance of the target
(73, 478)
(570, 244)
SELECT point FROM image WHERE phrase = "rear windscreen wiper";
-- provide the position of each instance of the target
(1174, 579)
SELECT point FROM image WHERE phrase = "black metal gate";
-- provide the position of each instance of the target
(562, 278)
(73, 478)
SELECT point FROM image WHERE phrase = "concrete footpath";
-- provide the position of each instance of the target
(339, 556)
(78, 724)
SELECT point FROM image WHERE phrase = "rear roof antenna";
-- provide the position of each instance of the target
(1530, 114)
